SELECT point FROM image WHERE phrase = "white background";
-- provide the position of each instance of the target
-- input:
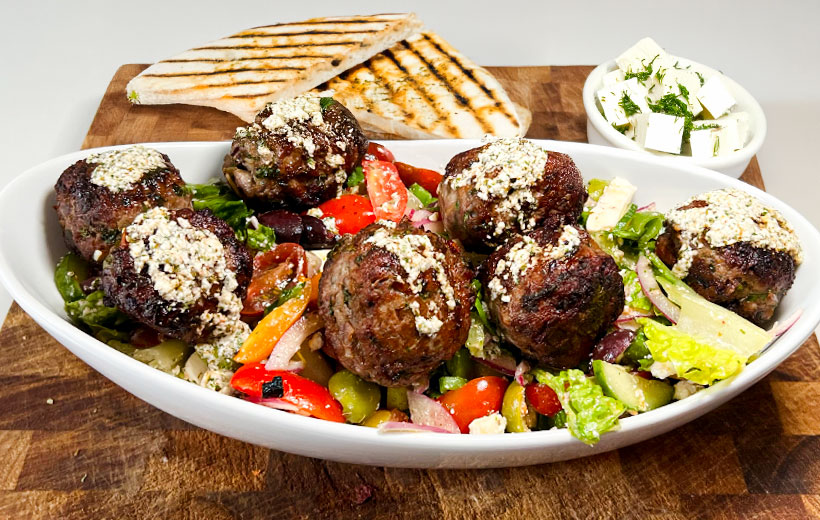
(58, 57)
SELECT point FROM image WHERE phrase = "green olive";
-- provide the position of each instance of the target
(460, 364)
(397, 398)
(520, 417)
(358, 397)
(375, 419)
(316, 368)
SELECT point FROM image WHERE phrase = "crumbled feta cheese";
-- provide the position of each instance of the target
(183, 261)
(490, 424)
(524, 255)
(730, 216)
(506, 170)
(612, 205)
(97, 255)
(662, 369)
(330, 225)
(416, 255)
(306, 107)
(315, 212)
(684, 389)
(119, 170)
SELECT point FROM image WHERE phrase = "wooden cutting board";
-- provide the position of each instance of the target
(74, 445)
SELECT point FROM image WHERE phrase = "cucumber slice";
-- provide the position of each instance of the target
(635, 392)
(167, 356)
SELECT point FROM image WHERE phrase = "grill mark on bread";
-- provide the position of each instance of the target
(418, 88)
(382, 80)
(280, 46)
(445, 81)
(219, 72)
(469, 74)
(302, 33)
(376, 18)
(253, 58)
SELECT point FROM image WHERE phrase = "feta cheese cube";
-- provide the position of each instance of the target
(610, 99)
(664, 133)
(743, 124)
(640, 123)
(492, 424)
(612, 77)
(714, 142)
(640, 53)
(715, 97)
(612, 205)
(673, 79)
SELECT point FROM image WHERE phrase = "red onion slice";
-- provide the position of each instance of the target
(314, 264)
(648, 207)
(520, 371)
(650, 288)
(781, 328)
(291, 341)
(428, 412)
(276, 403)
(613, 345)
(408, 427)
(503, 363)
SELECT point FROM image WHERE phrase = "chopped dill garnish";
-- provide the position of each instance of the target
(684, 92)
(621, 129)
(700, 77)
(643, 75)
(717, 146)
(706, 126)
(629, 106)
(660, 74)
(670, 104)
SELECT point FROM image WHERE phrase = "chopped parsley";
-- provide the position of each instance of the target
(644, 74)
(355, 178)
(629, 106)
(671, 105)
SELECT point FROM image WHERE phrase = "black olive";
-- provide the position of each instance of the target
(315, 235)
(286, 224)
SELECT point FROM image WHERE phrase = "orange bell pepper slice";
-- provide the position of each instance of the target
(266, 335)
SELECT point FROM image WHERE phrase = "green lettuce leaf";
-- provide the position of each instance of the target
(105, 323)
(424, 196)
(698, 362)
(589, 413)
(635, 298)
(261, 239)
(223, 202)
(356, 177)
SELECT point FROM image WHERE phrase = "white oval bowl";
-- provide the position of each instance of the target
(31, 243)
(599, 131)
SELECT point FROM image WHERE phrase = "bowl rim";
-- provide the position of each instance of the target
(758, 126)
(652, 423)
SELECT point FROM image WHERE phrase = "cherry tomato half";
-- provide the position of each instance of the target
(309, 397)
(427, 179)
(351, 212)
(385, 189)
(478, 398)
(273, 271)
(543, 399)
(378, 152)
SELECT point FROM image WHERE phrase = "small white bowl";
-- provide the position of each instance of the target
(599, 131)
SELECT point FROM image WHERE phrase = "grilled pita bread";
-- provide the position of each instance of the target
(423, 88)
(242, 73)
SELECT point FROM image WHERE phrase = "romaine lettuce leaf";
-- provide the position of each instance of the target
(262, 238)
(105, 323)
(693, 360)
(589, 413)
(635, 297)
(713, 324)
(223, 202)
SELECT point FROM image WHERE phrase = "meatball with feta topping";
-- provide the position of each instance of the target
(732, 250)
(553, 294)
(100, 195)
(296, 154)
(395, 301)
(182, 273)
(506, 187)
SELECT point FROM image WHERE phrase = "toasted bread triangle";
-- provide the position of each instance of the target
(243, 72)
(423, 88)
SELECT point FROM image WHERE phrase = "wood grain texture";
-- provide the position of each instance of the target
(98, 452)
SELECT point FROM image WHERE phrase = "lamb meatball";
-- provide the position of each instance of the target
(395, 301)
(101, 194)
(733, 251)
(553, 294)
(182, 273)
(508, 186)
(296, 154)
